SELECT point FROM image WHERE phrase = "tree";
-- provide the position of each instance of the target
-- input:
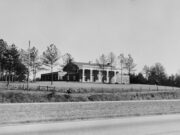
(35, 63)
(26, 60)
(20, 71)
(11, 56)
(11, 65)
(72, 71)
(33, 60)
(177, 80)
(122, 61)
(157, 74)
(102, 62)
(171, 80)
(129, 64)
(111, 61)
(3, 47)
(68, 63)
(138, 79)
(50, 58)
(67, 58)
(146, 71)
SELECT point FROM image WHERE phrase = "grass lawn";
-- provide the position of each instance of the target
(88, 87)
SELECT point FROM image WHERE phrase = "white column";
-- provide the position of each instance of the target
(115, 77)
(107, 76)
(83, 75)
(99, 76)
(91, 75)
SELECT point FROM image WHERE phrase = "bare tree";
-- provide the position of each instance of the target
(67, 58)
(122, 63)
(111, 61)
(129, 64)
(31, 59)
(50, 58)
(25, 59)
(146, 71)
(35, 63)
(102, 62)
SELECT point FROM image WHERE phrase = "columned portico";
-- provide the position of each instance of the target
(94, 73)
(99, 75)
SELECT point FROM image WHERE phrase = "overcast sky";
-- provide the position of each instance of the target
(149, 30)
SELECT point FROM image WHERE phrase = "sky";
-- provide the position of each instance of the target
(149, 30)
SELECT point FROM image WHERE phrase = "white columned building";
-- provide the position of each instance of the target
(91, 72)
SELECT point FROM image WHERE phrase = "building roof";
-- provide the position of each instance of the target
(80, 64)
(50, 73)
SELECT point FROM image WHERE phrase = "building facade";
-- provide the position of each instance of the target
(88, 72)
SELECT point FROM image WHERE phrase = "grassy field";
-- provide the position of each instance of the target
(23, 113)
(84, 92)
(90, 87)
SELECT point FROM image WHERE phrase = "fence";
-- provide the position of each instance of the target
(4, 86)
(48, 88)
(90, 89)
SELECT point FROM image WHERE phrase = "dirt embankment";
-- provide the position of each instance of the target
(21, 96)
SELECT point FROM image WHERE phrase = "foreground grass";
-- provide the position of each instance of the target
(38, 112)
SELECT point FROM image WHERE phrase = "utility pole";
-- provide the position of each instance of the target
(121, 72)
(28, 65)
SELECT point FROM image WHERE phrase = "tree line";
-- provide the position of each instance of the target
(125, 64)
(155, 74)
(11, 67)
(17, 64)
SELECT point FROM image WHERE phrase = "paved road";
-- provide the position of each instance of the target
(146, 125)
